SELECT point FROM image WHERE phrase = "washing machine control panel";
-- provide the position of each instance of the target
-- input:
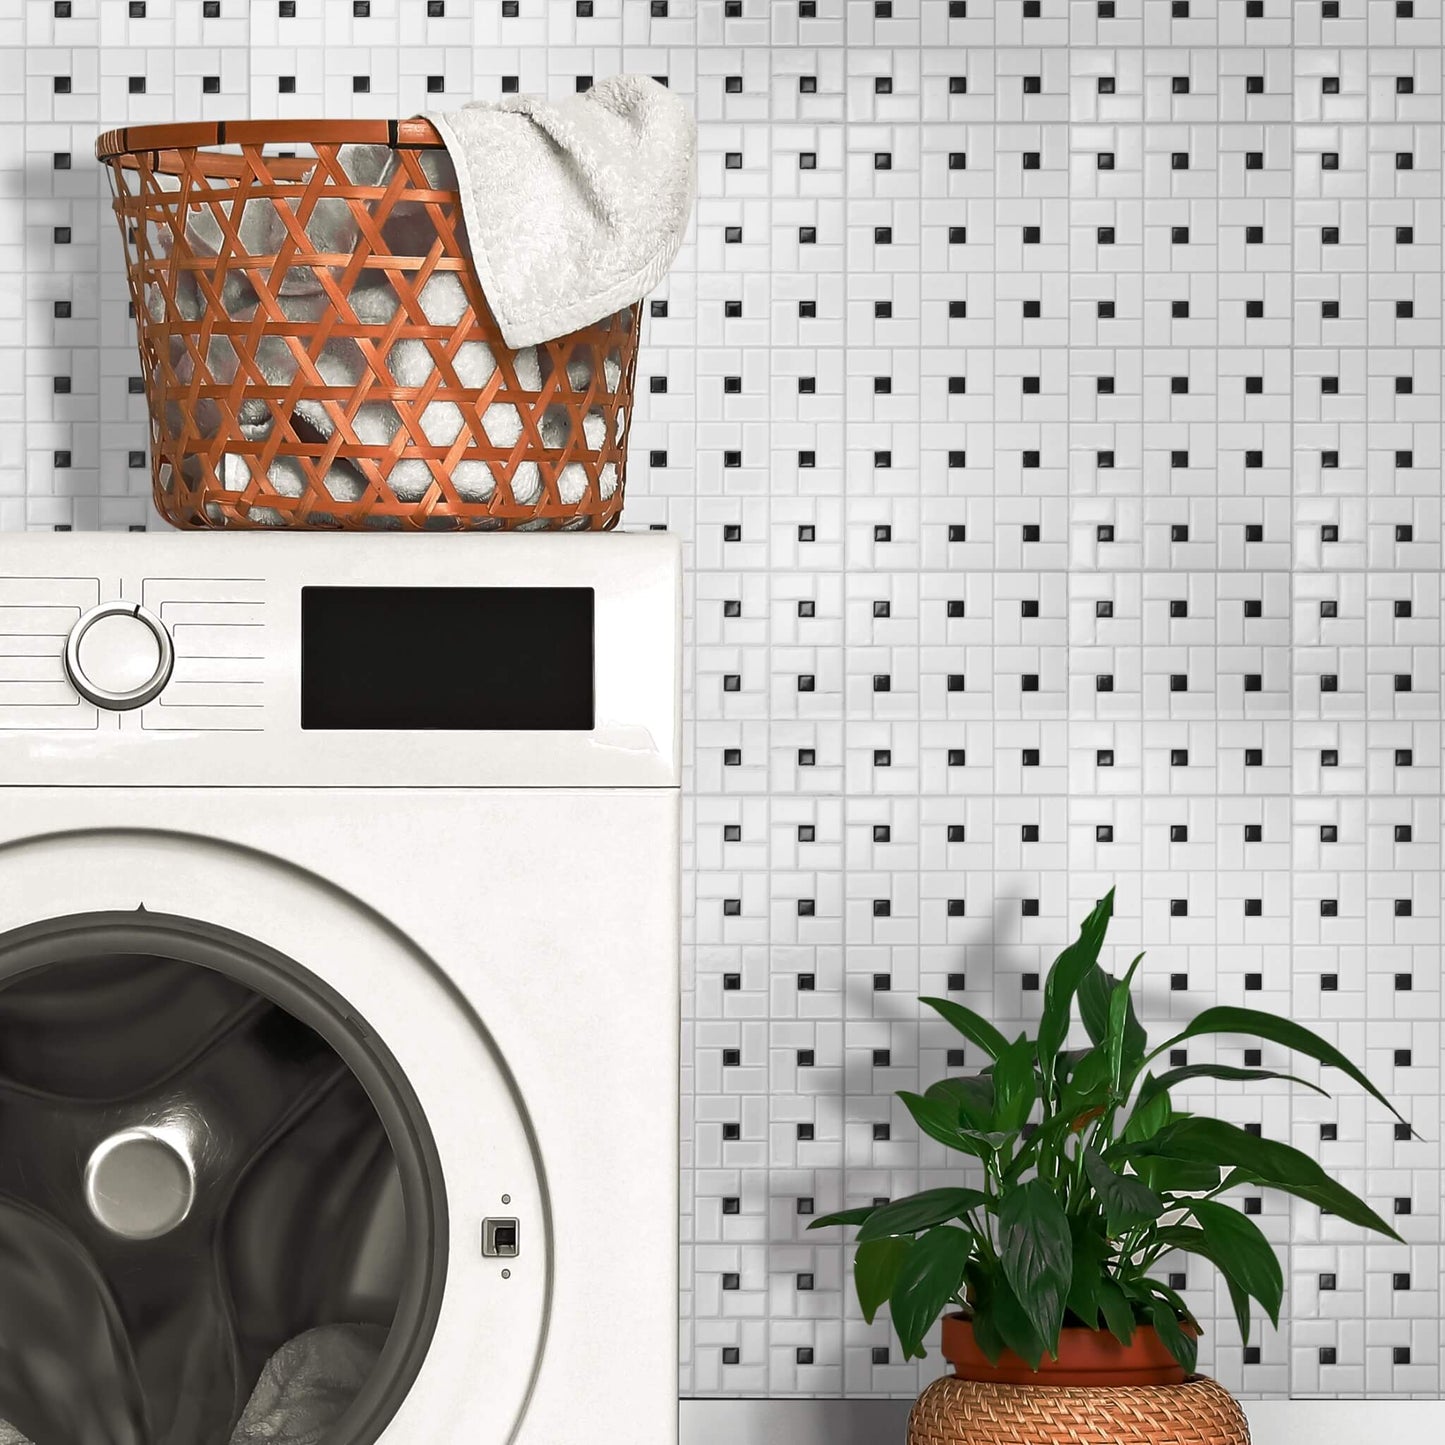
(119, 656)
(339, 661)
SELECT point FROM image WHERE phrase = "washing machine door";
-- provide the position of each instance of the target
(225, 1213)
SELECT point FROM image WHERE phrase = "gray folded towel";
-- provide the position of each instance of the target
(304, 1389)
(575, 208)
(307, 1385)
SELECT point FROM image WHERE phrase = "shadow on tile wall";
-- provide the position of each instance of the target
(1050, 396)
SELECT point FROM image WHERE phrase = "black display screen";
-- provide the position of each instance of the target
(461, 658)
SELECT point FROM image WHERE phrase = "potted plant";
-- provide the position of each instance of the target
(1087, 1175)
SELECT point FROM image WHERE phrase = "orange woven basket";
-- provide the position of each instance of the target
(317, 350)
(952, 1411)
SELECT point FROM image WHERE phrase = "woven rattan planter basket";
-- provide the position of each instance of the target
(317, 351)
(970, 1412)
(1097, 1392)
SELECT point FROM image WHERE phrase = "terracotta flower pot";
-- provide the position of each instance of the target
(1086, 1357)
(1097, 1392)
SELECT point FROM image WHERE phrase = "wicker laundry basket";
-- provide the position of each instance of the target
(317, 350)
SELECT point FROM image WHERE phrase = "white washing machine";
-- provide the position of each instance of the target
(339, 988)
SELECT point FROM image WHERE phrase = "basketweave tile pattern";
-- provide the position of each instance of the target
(1049, 396)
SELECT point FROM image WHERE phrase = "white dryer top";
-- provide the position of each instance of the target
(326, 660)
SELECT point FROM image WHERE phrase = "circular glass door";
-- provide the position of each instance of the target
(221, 1215)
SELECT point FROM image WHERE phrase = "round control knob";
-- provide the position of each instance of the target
(119, 656)
(140, 1183)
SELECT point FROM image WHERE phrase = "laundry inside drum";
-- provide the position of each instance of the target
(208, 1232)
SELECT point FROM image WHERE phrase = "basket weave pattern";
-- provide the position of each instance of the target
(241, 319)
(969, 1412)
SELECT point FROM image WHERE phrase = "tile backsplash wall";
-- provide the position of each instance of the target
(1050, 398)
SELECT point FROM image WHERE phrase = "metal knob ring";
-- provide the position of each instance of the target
(118, 701)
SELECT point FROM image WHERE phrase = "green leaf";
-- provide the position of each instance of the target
(1192, 1241)
(1127, 1201)
(928, 1279)
(1248, 1256)
(938, 1118)
(1181, 1344)
(1277, 1030)
(1150, 1114)
(1094, 995)
(1015, 1086)
(1153, 1087)
(920, 1211)
(987, 1335)
(1268, 1162)
(1010, 1321)
(844, 1216)
(1118, 1316)
(972, 1097)
(1067, 973)
(994, 1140)
(1157, 1289)
(1176, 1176)
(1238, 1249)
(1091, 1255)
(1038, 1144)
(974, 1027)
(875, 1271)
(1088, 1086)
(1117, 1038)
(1037, 1254)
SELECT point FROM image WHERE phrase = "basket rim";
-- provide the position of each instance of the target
(416, 133)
